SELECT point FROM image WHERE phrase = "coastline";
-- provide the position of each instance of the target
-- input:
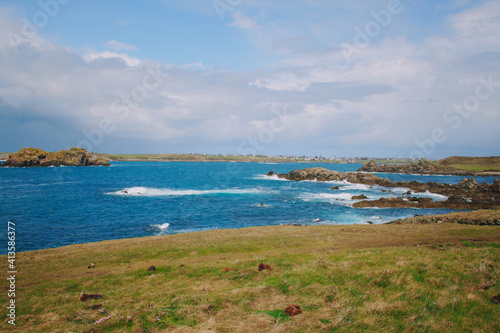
(466, 195)
(482, 217)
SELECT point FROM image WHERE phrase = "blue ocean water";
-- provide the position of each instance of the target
(53, 207)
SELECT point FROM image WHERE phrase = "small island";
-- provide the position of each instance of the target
(35, 157)
(455, 165)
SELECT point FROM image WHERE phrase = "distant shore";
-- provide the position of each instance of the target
(236, 158)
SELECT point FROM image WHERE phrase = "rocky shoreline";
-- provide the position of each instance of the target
(422, 167)
(478, 217)
(35, 157)
(467, 195)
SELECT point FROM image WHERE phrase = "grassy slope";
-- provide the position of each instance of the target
(475, 164)
(385, 278)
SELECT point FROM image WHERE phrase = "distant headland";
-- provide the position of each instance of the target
(455, 165)
(35, 157)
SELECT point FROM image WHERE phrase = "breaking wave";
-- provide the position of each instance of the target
(158, 192)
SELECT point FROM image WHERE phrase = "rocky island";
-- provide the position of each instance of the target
(468, 194)
(441, 167)
(35, 157)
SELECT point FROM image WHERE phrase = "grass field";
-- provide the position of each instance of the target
(353, 278)
(475, 164)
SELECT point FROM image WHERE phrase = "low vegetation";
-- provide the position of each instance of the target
(474, 164)
(348, 278)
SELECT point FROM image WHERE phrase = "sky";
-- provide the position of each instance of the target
(344, 78)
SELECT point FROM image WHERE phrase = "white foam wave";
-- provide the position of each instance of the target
(434, 196)
(163, 226)
(266, 177)
(355, 187)
(156, 192)
(328, 197)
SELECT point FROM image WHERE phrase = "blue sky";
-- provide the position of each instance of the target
(333, 77)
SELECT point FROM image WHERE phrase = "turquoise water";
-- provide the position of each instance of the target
(53, 207)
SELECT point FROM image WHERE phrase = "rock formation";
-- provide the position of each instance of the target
(33, 157)
(422, 167)
(467, 194)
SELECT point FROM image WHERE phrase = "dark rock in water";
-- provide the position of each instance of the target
(496, 186)
(334, 188)
(320, 174)
(270, 173)
(32, 157)
(468, 183)
(425, 201)
(86, 297)
(359, 197)
(152, 268)
(264, 266)
(293, 310)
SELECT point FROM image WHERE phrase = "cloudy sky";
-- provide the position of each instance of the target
(303, 77)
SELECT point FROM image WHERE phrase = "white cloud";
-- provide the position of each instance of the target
(473, 31)
(130, 61)
(242, 22)
(118, 46)
(394, 93)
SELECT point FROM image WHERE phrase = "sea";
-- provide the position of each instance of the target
(59, 206)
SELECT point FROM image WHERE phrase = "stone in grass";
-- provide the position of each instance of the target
(152, 268)
(264, 266)
(86, 297)
(496, 299)
(91, 265)
(293, 310)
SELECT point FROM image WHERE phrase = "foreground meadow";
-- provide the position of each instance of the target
(385, 278)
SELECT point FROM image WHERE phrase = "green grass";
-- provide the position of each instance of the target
(474, 164)
(377, 278)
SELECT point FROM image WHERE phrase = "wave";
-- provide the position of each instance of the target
(158, 192)
(158, 229)
(162, 226)
(328, 197)
(353, 186)
(434, 196)
(273, 177)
